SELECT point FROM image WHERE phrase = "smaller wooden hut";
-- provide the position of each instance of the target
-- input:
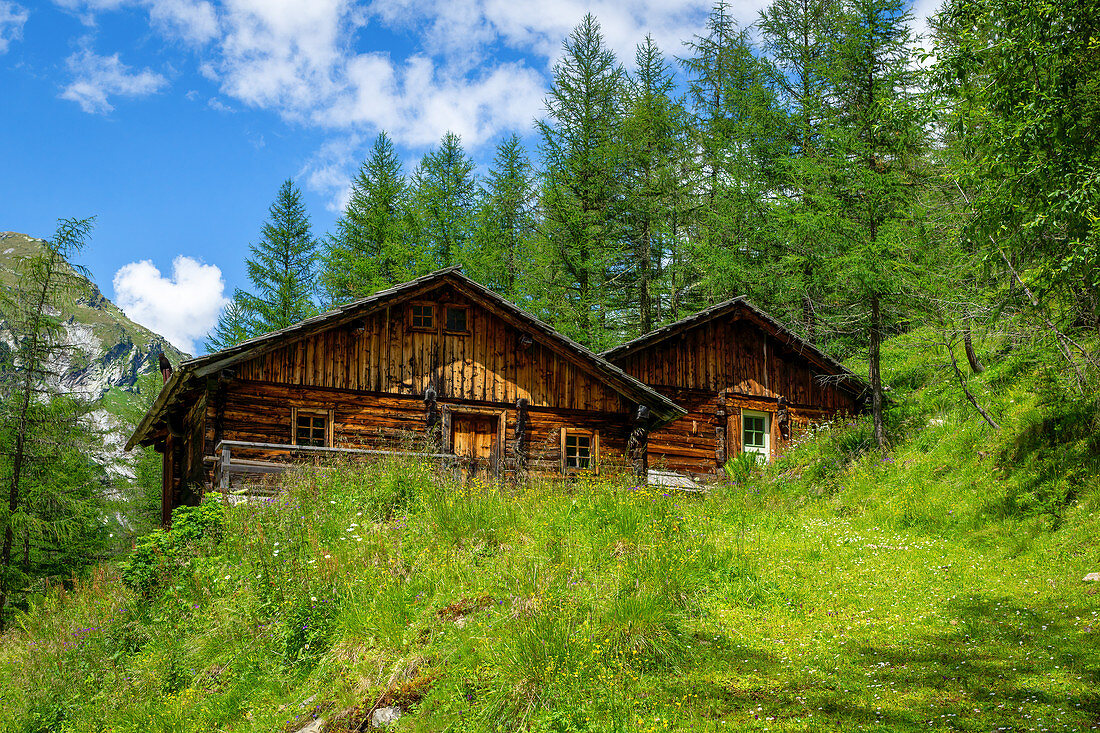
(748, 383)
(438, 366)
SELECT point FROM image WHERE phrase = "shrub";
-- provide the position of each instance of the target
(158, 555)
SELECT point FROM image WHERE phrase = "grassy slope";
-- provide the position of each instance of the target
(936, 587)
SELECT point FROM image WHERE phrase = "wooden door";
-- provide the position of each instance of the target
(474, 438)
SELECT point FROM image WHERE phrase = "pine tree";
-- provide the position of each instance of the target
(282, 265)
(236, 323)
(798, 36)
(655, 154)
(582, 187)
(444, 191)
(50, 516)
(875, 147)
(506, 223)
(741, 134)
(367, 252)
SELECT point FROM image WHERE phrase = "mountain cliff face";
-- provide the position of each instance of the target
(111, 353)
(112, 350)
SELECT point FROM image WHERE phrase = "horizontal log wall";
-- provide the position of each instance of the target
(736, 354)
(689, 444)
(383, 353)
(259, 412)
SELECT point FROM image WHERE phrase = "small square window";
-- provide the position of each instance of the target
(578, 451)
(423, 316)
(311, 430)
(456, 319)
(754, 432)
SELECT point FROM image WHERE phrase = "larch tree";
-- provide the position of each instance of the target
(875, 140)
(581, 197)
(367, 251)
(444, 191)
(53, 489)
(797, 36)
(740, 133)
(282, 265)
(506, 222)
(655, 154)
(236, 323)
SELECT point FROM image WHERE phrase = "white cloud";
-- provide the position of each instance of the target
(12, 19)
(182, 308)
(195, 22)
(99, 77)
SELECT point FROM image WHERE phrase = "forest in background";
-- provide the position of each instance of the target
(821, 163)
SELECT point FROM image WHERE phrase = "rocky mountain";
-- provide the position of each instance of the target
(111, 353)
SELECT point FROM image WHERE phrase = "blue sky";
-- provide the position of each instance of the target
(175, 121)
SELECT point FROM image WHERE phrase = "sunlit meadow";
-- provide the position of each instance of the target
(934, 587)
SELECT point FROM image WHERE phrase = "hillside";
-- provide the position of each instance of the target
(938, 586)
(112, 352)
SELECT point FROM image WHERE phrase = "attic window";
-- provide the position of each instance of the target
(423, 316)
(456, 319)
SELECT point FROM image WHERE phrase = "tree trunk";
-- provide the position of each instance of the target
(975, 366)
(962, 383)
(874, 373)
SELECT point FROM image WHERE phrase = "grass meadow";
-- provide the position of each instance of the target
(937, 586)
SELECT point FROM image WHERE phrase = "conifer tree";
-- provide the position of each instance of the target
(875, 146)
(582, 186)
(798, 36)
(444, 191)
(52, 487)
(741, 133)
(655, 154)
(236, 323)
(367, 252)
(506, 223)
(282, 265)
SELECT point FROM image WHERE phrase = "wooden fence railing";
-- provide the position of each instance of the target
(245, 460)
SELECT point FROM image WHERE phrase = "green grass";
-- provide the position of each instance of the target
(937, 586)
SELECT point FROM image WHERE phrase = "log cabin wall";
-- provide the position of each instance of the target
(737, 356)
(373, 374)
(260, 412)
(752, 369)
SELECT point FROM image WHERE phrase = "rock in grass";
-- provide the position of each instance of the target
(385, 716)
(1092, 578)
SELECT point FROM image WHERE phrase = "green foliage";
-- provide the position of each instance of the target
(443, 194)
(368, 250)
(282, 269)
(160, 555)
(52, 487)
(502, 244)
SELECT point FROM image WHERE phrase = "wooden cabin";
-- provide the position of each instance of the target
(749, 385)
(438, 366)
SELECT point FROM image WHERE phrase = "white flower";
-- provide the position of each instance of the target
(328, 557)
(313, 598)
(228, 577)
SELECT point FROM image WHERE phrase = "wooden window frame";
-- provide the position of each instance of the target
(594, 459)
(435, 316)
(443, 321)
(769, 419)
(328, 414)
